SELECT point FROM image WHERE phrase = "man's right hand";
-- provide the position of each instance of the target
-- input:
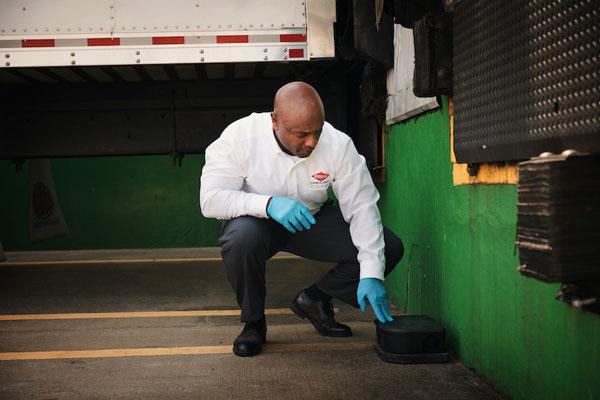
(292, 215)
(372, 289)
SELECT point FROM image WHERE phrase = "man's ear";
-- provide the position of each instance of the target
(274, 120)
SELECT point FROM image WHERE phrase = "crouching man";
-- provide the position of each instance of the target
(267, 177)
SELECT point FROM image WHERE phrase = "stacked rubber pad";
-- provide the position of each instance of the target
(558, 229)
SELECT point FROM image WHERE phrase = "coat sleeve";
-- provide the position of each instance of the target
(222, 180)
(358, 198)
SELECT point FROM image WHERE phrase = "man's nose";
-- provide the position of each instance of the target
(311, 141)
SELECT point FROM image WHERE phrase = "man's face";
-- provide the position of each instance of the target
(299, 134)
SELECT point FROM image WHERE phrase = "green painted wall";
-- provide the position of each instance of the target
(460, 267)
(112, 202)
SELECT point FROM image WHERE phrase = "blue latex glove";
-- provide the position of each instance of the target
(373, 290)
(292, 215)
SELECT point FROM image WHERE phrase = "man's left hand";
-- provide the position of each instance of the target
(373, 290)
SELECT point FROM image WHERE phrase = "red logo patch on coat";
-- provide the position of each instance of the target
(320, 176)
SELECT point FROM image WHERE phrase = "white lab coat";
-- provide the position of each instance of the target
(245, 167)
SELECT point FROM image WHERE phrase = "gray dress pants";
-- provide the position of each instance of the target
(248, 242)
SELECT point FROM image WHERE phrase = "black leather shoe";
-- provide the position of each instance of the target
(320, 314)
(250, 341)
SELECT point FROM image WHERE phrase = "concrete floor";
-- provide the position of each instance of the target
(297, 363)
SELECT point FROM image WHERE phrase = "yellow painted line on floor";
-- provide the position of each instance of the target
(124, 261)
(179, 351)
(138, 314)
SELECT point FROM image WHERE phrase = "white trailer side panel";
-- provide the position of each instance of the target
(37, 33)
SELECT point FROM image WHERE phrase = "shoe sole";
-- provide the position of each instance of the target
(294, 307)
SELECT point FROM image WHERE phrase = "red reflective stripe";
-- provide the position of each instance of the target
(296, 53)
(37, 43)
(232, 38)
(104, 42)
(168, 40)
(292, 38)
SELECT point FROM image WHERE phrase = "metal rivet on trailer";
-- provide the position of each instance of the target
(100, 29)
(78, 29)
(14, 30)
(284, 49)
(72, 54)
(285, 57)
(7, 56)
(2, 30)
(266, 58)
(7, 64)
(73, 62)
(251, 26)
(176, 26)
(201, 51)
(293, 24)
(24, 8)
(197, 5)
(202, 59)
(137, 61)
(265, 50)
(569, 153)
(111, 7)
(24, 30)
(187, 27)
(137, 53)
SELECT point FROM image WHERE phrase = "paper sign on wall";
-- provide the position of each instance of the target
(402, 103)
(45, 215)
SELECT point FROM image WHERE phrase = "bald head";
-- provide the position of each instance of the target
(298, 117)
(298, 99)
